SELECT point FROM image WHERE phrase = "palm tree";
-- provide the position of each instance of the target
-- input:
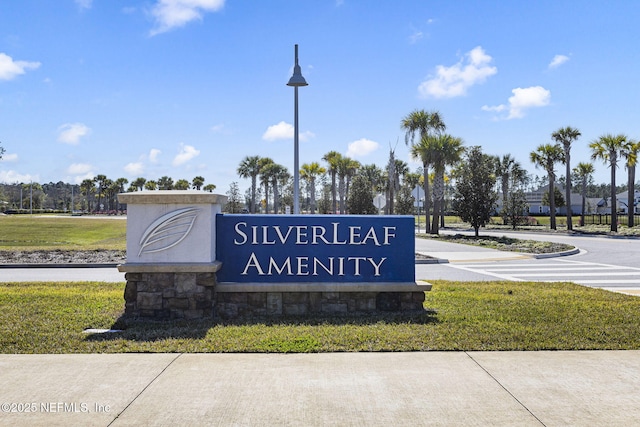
(250, 168)
(151, 185)
(566, 136)
(423, 152)
(110, 189)
(583, 171)
(422, 123)
(197, 182)
(333, 158)
(352, 169)
(101, 182)
(630, 153)
(346, 168)
(119, 188)
(546, 156)
(181, 184)
(310, 172)
(165, 183)
(607, 148)
(265, 179)
(88, 188)
(503, 171)
(276, 173)
(283, 178)
(342, 170)
(446, 151)
(138, 183)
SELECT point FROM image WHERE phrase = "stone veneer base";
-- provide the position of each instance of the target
(190, 291)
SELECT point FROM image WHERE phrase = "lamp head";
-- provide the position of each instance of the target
(297, 79)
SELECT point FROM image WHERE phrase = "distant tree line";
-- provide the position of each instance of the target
(452, 179)
(92, 195)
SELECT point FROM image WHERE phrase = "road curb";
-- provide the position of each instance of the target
(573, 251)
(432, 261)
(70, 265)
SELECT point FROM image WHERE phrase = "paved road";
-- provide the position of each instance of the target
(603, 262)
(61, 275)
(620, 251)
(609, 263)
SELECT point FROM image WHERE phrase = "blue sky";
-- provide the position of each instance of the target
(190, 87)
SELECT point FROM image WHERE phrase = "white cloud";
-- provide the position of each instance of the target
(170, 14)
(84, 4)
(416, 36)
(80, 172)
(496, 108)
(187, 152)
(362, 147)
(454, 81)
(79, 168)
(154, 154)
(79, 178)
(9, 68)
(558, 60)
(306, 136)
(284, 130)
(136, 168)
(13, 157)
(70, 133)
(522, 99)
(529, 97)
(12, 177)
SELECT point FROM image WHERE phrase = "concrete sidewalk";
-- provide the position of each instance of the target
(368, 389)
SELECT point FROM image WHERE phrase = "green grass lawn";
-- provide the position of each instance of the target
(25, 232)
(51, 317)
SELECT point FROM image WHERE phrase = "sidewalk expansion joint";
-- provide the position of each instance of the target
(144, 389)
(504, 388)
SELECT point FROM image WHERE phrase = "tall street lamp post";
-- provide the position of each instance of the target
(296, 81)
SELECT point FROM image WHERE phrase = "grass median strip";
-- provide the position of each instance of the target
(24, 232)
(51, 318)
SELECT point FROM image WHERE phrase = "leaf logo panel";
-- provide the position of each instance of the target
(168, 230)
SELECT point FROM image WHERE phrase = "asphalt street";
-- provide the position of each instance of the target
(604, 262)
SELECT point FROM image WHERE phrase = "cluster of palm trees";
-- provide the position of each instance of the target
(433, 148)
(428, 143)
(609, 148)
(272, 175)
(425, 134)
(101, 192)
(274, 178)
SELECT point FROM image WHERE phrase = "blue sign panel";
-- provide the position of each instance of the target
(315, 248)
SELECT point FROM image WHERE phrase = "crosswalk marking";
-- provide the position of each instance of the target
(559, 268)
(573, 273)
(585, 273)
